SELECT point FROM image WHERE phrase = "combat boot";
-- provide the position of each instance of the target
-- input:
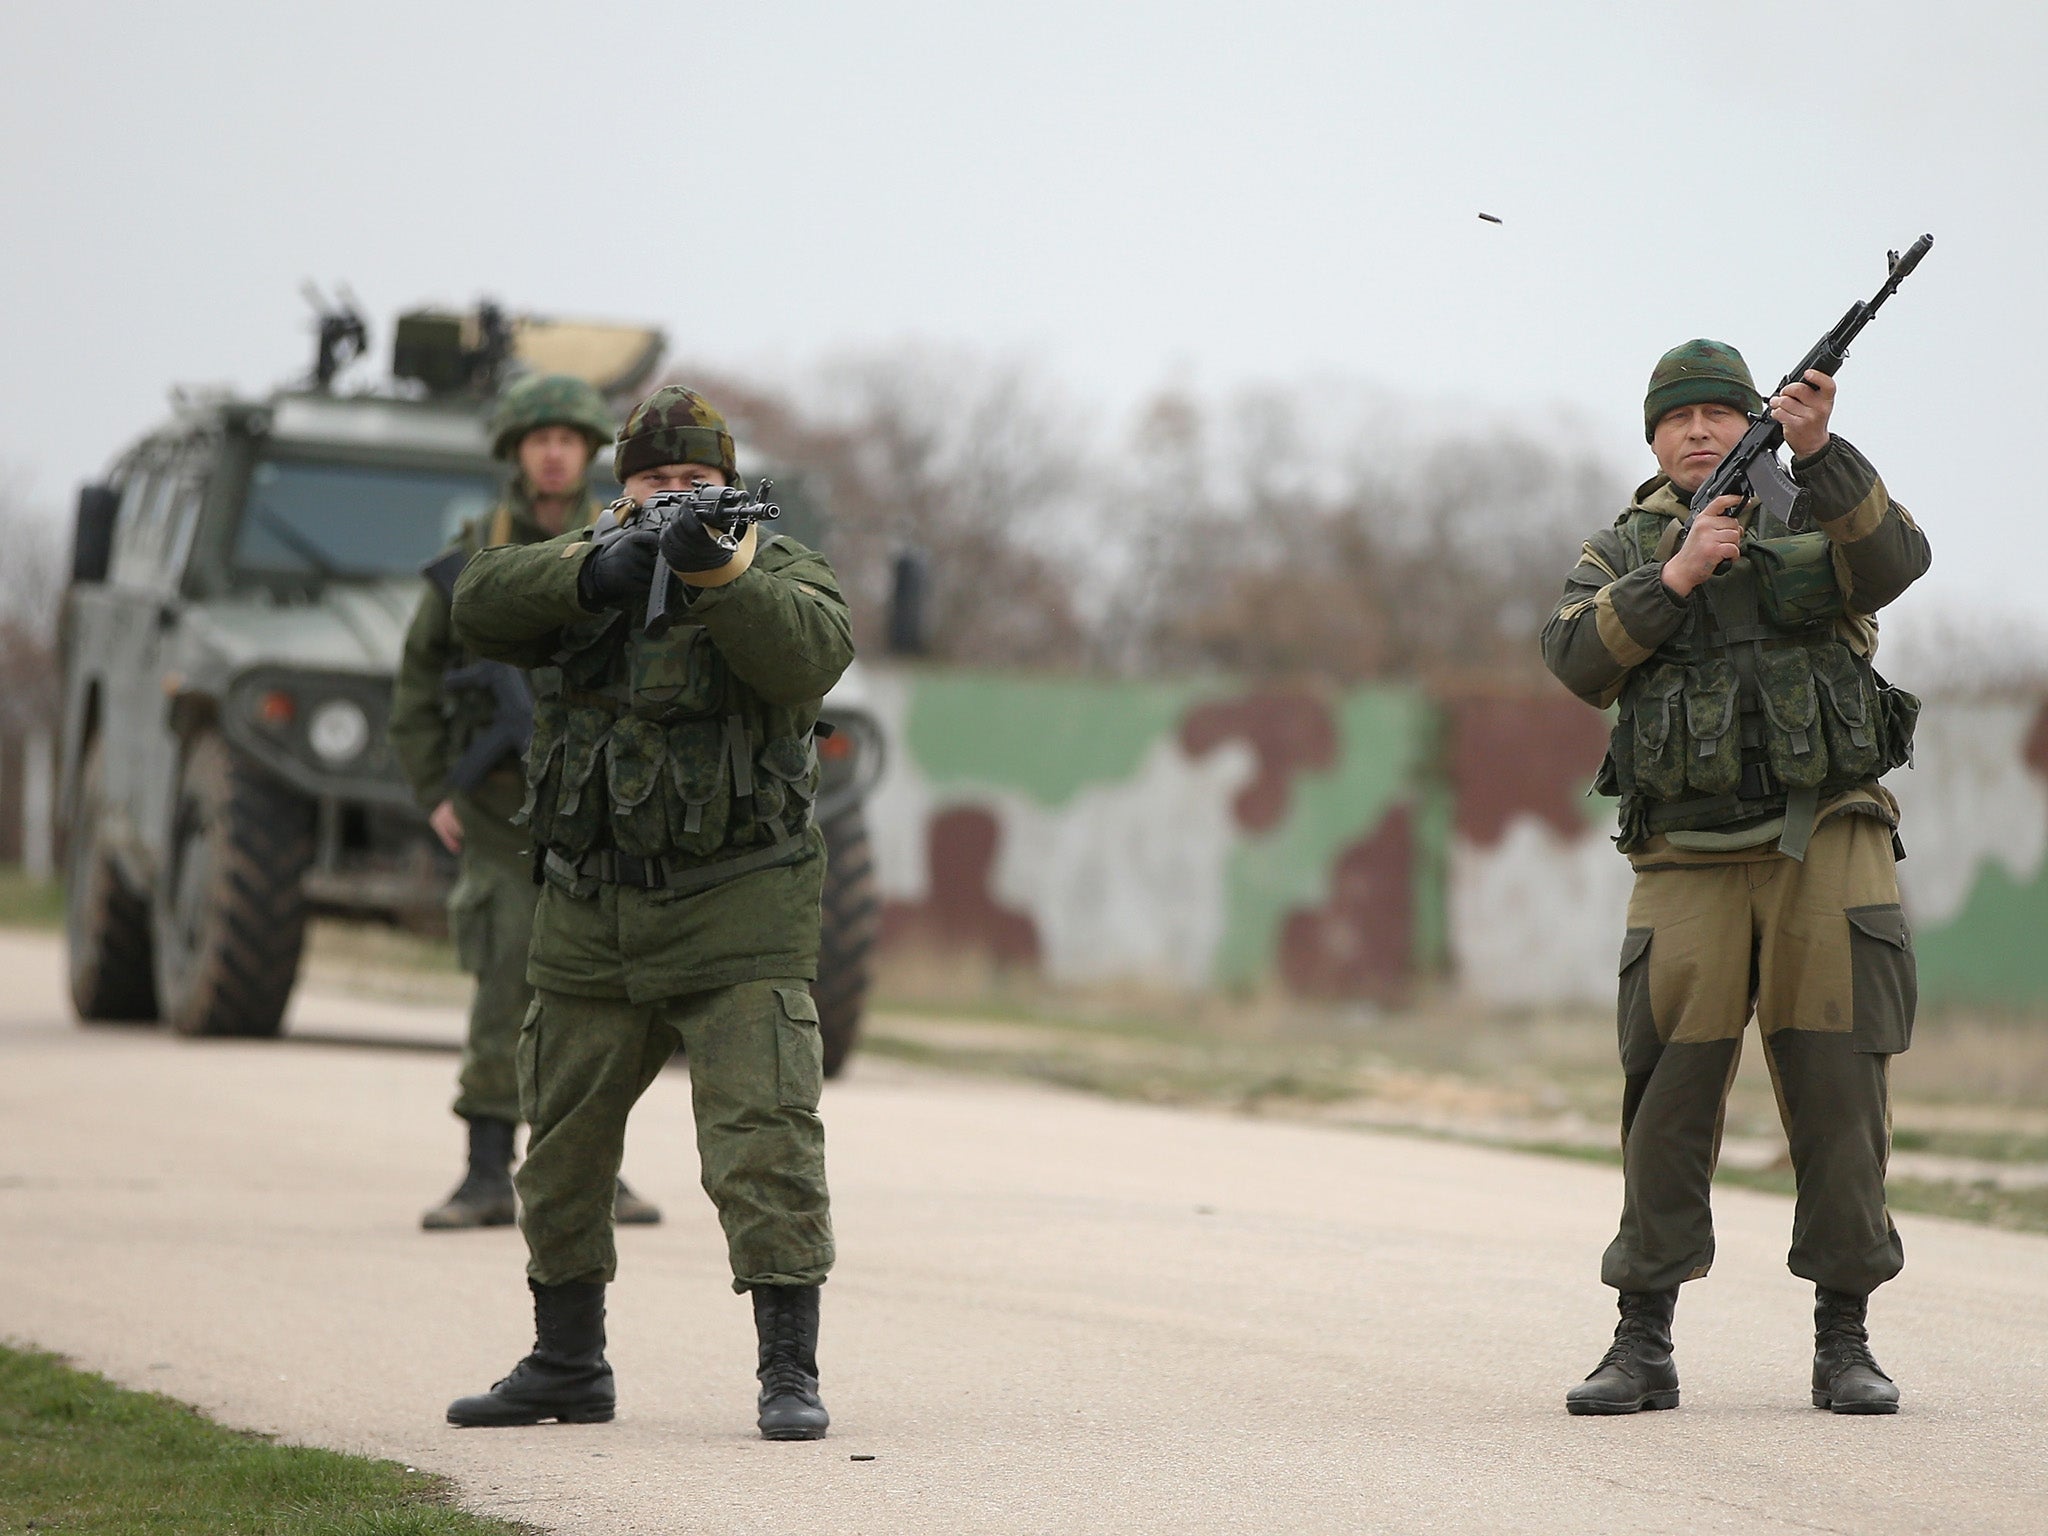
(484, 1197)
(786, 1322)
(1637, 1372)
(566, 1377)
(630, 1210)
(1845, 1378)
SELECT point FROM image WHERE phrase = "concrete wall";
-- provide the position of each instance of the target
(1344, 844)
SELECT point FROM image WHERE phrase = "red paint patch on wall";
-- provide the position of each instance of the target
(1513, 756)
(1361, 942)
(1288, 734)
(960, 912)
(2037, 742)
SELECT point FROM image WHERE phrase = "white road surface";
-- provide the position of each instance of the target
(1052, 1313)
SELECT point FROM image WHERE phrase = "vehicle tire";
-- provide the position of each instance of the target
(106, 925)
(852, 916)
(230, 919)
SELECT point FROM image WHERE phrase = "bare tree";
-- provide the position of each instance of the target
(31, 589)
(1320, 529)
(1967, 652)
(1352, 543)
(978, 465)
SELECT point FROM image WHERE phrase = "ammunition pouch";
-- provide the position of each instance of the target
(650, 761)
(1796, 582)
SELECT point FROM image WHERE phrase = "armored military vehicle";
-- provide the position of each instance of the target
(241, 584)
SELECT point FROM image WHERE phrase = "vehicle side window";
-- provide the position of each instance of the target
(182, 518)
(138, 500)
(152, 537)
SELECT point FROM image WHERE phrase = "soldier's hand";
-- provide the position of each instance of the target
(621, 567)
(1803, 411)
(688, 542)
(447, 825)
(1714, 537)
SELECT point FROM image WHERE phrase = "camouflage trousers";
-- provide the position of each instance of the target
(490, 916)
(756, 1070)
(1820, 953)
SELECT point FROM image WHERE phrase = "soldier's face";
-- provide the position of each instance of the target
(553, 459)
(1692, 439)
(670, 477)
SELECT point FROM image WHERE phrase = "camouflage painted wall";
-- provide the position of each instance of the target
(1537, 893)
(1344, 844)
(1184, 834)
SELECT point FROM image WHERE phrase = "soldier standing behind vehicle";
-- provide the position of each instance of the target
(1750, 736)
(460, 740)
(671, 785)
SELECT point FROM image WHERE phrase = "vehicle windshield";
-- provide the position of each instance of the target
(306, 518)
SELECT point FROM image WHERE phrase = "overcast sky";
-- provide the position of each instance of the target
(1130, 193)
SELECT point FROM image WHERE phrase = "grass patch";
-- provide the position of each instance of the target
(2020, 1210)
(81, 1456)
(1990, 1146)
(26, 903)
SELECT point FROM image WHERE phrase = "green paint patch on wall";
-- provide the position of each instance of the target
(1990, 952)
(1043, 738)
(1383, 741)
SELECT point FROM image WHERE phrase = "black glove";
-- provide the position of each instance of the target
(621, 567)
(687, 543)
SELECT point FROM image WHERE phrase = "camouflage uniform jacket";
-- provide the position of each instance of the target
(1616, 613)
(429, 727)
(671, 779)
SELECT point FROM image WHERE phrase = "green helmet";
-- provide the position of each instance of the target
(1699, 372)
(548, 400)
(673, 426)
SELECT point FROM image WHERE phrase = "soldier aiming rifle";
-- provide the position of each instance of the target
(670, 791)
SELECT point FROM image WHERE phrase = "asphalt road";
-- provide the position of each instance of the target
(1052, 1313)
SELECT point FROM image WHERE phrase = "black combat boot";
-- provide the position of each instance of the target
(566, 1377)
(786, 1321)
(1845, 1378)
(1637, 1371)
(484, 1197)
(631, 1210)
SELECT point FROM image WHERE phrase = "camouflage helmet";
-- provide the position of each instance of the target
(1699, 372)
(548, 400)
(673, 426)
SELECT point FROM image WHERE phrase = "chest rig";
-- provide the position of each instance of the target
(1755, 710)
(653, 765)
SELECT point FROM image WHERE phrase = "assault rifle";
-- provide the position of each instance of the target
(727, 511)
(510, 732)
(1751, 467)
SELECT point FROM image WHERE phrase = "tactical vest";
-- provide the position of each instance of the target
(652, 748)
(1755, 709)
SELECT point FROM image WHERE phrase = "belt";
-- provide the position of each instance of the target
(614, 868)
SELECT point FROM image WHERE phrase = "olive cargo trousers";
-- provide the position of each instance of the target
(1820, 952)
(756, 1070)
(490, 917)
